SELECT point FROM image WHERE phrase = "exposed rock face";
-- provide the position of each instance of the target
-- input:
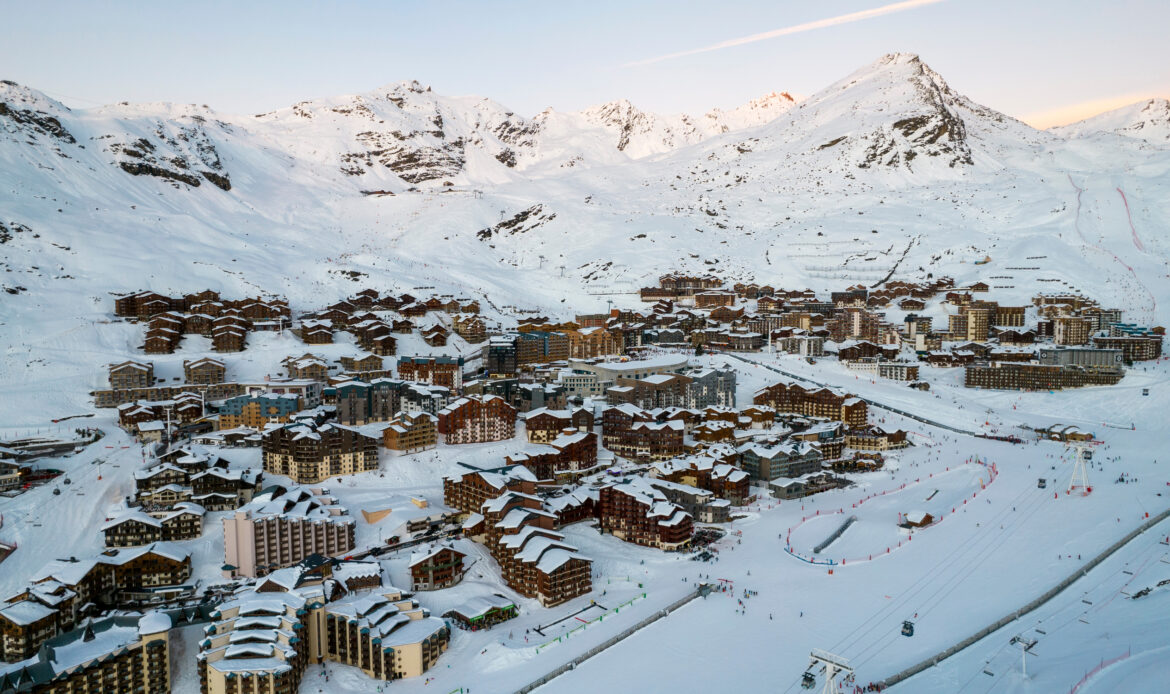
(519, 223)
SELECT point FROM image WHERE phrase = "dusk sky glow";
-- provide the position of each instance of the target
(1044, 61)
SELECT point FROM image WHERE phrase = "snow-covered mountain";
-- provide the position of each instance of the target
(889, 172)
(639, 134)
(1144, 120)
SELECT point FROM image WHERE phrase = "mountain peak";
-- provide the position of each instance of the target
(18, 96)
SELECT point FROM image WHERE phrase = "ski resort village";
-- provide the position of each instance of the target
(400, 392)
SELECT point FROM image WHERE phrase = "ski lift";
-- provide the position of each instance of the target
(808, 681)
(68, 481)
(907, 628)
(56, 491)
(1042, 483)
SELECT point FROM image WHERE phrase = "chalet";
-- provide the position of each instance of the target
(361, 363)
(413, 310)
(437, 566)
(131, 374)
(198, 324)
(182, 522)
(411, 432)
(543, 425)
(435, 336)
(916, 519)
(205, 371)
(470, 327)
(308, 367)
(334, 316)
(228, 339)
(317, 332)
(441, 371)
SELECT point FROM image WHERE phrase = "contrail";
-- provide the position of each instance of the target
(807, 26)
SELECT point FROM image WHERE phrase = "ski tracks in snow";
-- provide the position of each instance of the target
(1137, 242)
(1133, 230)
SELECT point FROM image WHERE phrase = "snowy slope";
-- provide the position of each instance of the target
(1144, 120)
(888, 172)
(639, 134)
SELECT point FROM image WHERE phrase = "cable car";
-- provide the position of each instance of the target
(907, 628)
(808, 681)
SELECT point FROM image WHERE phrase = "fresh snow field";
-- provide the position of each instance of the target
(889, 170)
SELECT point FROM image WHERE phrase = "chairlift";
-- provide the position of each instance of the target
(808, 681)
(1042, 483)
(907, 628)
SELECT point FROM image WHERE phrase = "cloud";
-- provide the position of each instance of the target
(1071, 113)
(799, 28)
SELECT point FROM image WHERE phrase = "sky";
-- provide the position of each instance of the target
(1047, 62)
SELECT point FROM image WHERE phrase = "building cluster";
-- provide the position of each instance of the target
(226, 321)
(1060, 341)
(374, 319)
(319, 610)
(65, 592)
(505, 514)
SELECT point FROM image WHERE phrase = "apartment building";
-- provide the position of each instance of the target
(477, 419)
(1016, 376)
(766, 461)
(282, 526)
(438, 371)
(534, 559)
(257, 411)
(635, 511)
(543, 425)
(308, 453)
(814, 401)
(266, 640)
(467, 491)
(184, 521)
(111, 654)
(411, 432)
